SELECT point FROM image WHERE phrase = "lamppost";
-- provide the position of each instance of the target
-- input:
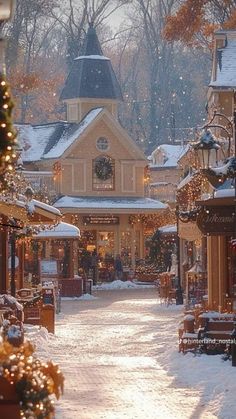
(179, 291)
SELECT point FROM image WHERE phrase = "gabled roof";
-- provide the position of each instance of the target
(51, 141)
(91, 75)
(226, 63)
(171, 154)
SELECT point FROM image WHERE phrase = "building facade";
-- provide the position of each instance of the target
(98, 170)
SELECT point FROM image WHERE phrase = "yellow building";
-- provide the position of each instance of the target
(99, 171)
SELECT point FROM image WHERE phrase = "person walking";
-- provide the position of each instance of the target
(118, 268)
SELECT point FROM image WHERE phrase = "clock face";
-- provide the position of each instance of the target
(103, 168)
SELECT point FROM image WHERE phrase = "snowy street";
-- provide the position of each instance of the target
(119, 355)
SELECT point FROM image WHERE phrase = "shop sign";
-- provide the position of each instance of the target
(216, 220)
(189, 231)
(96, 219)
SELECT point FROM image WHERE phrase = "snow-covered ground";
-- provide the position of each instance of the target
(119, 355)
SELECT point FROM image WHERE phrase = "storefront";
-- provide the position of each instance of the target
(217, 221)
(121, 230)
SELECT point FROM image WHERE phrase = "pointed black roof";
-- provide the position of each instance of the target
(91, 75)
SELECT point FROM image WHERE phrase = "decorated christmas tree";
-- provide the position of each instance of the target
(8, 140)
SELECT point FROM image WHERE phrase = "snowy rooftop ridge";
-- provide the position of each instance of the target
(109, 203)
(226, 64)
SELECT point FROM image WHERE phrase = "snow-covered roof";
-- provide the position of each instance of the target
(154, 184)
(226, 63)
(171, 155)
(51, 140)
(33, 140)
(168, 229)
(92, 57)
(185, 180)
(62, 230)
(71, 134)
(225, 190)
(46, 207)
(101, 204)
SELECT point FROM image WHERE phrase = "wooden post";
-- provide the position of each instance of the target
(21, 256)
(3, 260)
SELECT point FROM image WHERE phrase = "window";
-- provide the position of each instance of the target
(73, 113)
(102, 144)
(103, 173)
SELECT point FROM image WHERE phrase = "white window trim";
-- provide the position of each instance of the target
(74, 188)
(123, 189)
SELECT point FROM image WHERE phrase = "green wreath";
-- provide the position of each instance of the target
(103, 168)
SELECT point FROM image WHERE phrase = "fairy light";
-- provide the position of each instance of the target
(7, 131)
(30, 378)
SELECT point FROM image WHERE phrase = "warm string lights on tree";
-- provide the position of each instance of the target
(154, 220)
(7, 132)
(33, 380)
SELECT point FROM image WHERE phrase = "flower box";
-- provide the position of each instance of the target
(9, 401)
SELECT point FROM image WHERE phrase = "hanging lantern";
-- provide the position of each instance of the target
(207, 150)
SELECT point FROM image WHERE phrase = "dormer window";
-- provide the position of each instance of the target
(102, 144)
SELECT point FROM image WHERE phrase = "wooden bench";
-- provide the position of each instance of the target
(216, 335)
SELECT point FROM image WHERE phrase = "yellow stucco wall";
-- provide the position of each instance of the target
(76, 177)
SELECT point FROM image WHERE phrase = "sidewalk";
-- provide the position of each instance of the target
(120, 359)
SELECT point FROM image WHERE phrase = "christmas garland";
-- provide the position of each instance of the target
(7, 132)
(103, 168)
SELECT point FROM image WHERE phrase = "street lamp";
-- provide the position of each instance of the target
(207, 149)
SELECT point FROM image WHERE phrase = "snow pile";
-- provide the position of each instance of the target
(39, 336)
(118, 285)
(86, 297)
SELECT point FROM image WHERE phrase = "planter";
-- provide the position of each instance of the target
(9, 401)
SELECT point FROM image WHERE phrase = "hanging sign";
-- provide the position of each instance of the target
(96, 219)
(217, 220)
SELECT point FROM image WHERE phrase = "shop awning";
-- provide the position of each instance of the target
(60, 231)
(32, 212)
(39, 212)
(14, 210)
(101, 205)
